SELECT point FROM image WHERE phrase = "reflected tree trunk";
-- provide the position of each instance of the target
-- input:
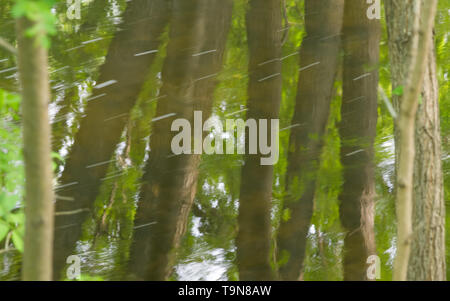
(126, 68)
(427, 259)
(194, 57)
(33, 69)
(60, 128)
(318, 61)
(264, 95)
(361, 38)
(95, 14)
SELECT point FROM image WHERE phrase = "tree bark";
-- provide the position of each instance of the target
(32, 56)
(427, 260)
(106, 116)
(264, 95)
(318, 60)
(361, 38)
(421, 45)
(169, 183)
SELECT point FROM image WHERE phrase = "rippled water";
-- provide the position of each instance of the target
(123, 72)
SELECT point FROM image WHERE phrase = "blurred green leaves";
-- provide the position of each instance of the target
(11, 171)
(40, 13)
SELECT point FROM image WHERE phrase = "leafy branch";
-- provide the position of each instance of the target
(40, 13)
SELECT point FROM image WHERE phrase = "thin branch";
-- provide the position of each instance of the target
(406, 127)
(6, 45)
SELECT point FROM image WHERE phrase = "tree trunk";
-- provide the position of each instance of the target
(37, 258)
(170, 181)
(427, 260)
(264, 95)
(361, 38)
(106, 116)
(318, 61)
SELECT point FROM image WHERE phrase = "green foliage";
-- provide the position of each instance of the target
(87, 277)
(325, 240)
(11, 171)
(443, 62)
(38, 11)
(398, 91)
(213, 221)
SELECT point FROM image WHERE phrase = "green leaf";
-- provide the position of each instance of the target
(7, 203)
(17, 241)
(56, 155)
(4, 229)
(40, 12)
(286, 215)
(17, 218)
(398, 91)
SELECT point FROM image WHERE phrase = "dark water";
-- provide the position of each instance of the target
(132, 209)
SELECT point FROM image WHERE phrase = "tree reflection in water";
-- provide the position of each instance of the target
(132, 210)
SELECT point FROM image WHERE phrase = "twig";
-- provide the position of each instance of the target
(5, 44)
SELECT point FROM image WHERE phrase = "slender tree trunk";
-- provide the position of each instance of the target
(37, 258)
(421, 45)
(170, 182)
(426, 212)
(318, 61)
(427, 261)
(107, 113)
(361, 38)
(264, 96)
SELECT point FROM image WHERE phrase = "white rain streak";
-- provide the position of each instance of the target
(309, 66)
(146, 52)
(105, 84)
(329, 37)
(354, 153)
(66, 226)
(66, 185)
(269, 61)
(291, 126)
(237, 112)
(278, 59)
(57, 70)
(362, 76)
(58, 86)
(7, 70)
(268, 77)
(356, 99)
(163, 117)
(114, 176)
(289, 55)
(64, 198)
(91, 41)
(205, 77)
(205, 52)
(117, 116)
(145, 225)
(71, 212)
(95, 97)
(156, 98)
(10, 76)
(73, 48)
(61, 118)
(99, 163)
